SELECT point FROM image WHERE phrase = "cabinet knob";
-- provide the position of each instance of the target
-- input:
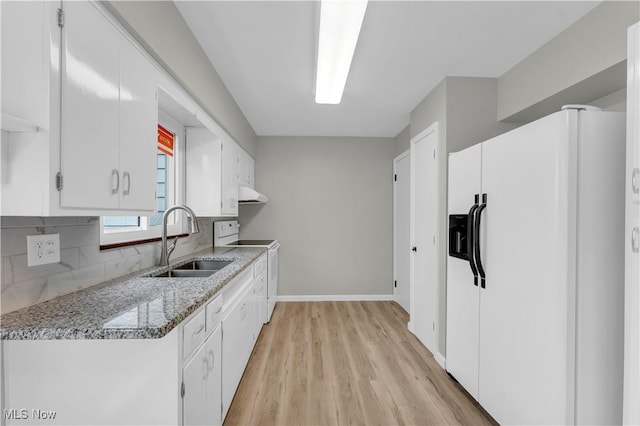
(635, 241)
(415, 249)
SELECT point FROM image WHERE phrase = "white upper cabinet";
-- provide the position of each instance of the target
(109, 116)
(29, 84)
(246, 175)
(212, 172)
(87, 96)
(230, 177)
(138, 131)
(203, 169)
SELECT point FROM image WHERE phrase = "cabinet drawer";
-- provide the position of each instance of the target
(193, 334)
(214, 313)
(260, 266)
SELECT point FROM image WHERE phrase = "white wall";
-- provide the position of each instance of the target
(82, 264)
(160, 28)
(331, 209)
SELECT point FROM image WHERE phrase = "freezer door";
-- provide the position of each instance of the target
(462, 294)
(523, 359)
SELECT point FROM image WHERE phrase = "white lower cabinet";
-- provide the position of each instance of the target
(188, 377)
(202, 376)
(238, 339)
(261, 278)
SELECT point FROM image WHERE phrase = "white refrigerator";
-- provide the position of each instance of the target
(535, 270)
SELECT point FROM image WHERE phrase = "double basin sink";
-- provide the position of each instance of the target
(195, 268)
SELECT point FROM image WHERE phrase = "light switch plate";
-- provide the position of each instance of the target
(43, 249)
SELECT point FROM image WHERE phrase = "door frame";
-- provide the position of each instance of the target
(396, 160)
(433, 128)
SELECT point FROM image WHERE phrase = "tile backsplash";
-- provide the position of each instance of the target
(81, 265)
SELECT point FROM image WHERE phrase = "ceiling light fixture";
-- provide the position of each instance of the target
(340, 22)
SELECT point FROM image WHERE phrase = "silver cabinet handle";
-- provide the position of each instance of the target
(205, 369)
(115, 173)
(198, 331)
(212, 359)
(218, 310)
(127, 178)
(635, 241)
(635, 181)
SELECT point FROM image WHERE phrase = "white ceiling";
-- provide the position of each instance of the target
(264, 51)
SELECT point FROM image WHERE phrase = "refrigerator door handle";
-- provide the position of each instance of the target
(476, 240)
(470, 239)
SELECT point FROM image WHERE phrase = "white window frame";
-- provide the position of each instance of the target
(177, 225)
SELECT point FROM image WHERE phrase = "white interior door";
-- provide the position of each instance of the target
(462, 292)
(401, 240)
(424, 231)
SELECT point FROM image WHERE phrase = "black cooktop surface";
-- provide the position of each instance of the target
(252, 243)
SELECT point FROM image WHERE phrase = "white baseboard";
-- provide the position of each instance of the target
(336, 298)
(410, 327)
(441, 360)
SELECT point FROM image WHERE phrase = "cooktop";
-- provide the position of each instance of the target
(252, 243)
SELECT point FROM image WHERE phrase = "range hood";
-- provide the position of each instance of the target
(248, 195)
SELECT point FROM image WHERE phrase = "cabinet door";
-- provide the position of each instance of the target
(229, 178)
(246, 169)
(631, 410)
(201, 376)
(90, 108)
(203, 160)
(195, 410)
(523, 309)
(236, 346)
(261, 292)
(138, 131)
(214, 377)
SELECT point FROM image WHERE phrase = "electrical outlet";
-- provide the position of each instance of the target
(43, 249)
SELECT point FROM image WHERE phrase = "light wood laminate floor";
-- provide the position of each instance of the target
(338, 363)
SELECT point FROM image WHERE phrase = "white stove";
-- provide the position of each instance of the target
(227, 234)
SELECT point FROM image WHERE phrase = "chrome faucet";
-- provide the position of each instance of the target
(193, 228)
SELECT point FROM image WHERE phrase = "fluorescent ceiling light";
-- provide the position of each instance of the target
(340, 22)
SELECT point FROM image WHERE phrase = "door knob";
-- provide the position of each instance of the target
(414, 249)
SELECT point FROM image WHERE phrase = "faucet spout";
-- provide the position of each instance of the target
(193, 228)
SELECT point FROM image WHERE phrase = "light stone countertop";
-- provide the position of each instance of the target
(134, 306)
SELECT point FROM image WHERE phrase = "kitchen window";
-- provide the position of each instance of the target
(116, 230)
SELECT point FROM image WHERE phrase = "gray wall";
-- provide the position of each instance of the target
(616, 101)
(331, 209)
(402, 140)
(593, 48)
(471, 105)
(431, 109)
(466, 108)
(159, 27)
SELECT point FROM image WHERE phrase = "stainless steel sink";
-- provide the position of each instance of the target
(186, 273)
(195, 269)
(209, 265)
